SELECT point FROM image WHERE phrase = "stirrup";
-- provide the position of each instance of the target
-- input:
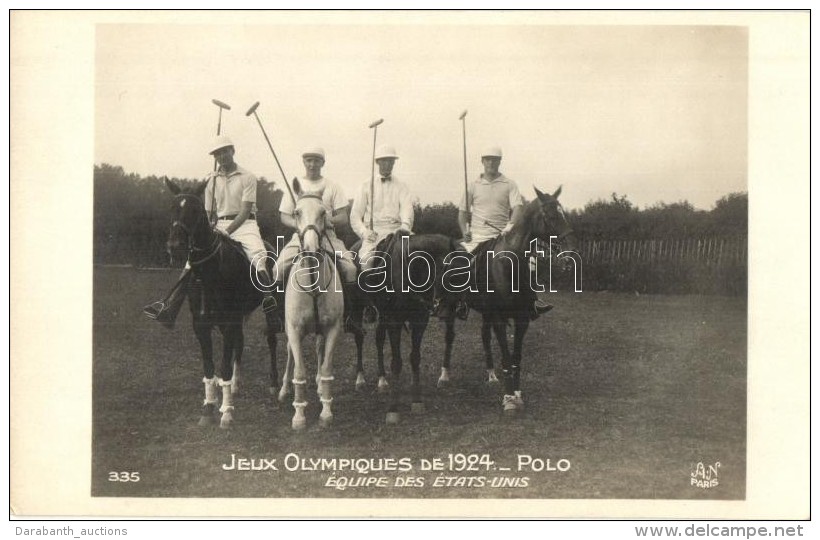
(152, 311)
(269, 304)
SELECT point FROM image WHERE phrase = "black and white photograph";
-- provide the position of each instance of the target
(464, 263)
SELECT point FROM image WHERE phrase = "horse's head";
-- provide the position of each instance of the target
(310, 215)
(190, 221)
(551, 220)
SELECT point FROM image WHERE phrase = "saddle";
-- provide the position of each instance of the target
(478, 263)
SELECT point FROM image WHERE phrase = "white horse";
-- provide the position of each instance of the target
(314, 304)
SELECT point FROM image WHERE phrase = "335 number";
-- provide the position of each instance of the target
(123, 476)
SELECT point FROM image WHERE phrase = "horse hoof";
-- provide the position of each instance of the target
(207, 416)
(392, 418)
(383, 385)
(512, 405)
(325, 421)
(444, 378)
(298, 424)
(226, 422)
(417, 408)
(360, 382)
(491, 378)
(283, 394)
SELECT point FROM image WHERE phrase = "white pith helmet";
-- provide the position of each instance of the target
(492, 151)
(221, 141)
(314, 152)
(385, 152)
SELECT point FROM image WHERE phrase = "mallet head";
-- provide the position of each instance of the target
(463, 115)
(221, 104)
(252, 109)
(376, 123)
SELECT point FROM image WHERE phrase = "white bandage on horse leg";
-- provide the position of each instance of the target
(227, 397)
(210, 391)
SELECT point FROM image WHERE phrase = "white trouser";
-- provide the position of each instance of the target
(368, 247)
(248, 235)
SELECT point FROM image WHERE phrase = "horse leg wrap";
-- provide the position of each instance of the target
(299, 391)
(325, 386)
(211, 397)
(227, 396)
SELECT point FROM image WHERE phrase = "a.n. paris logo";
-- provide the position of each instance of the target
(704, 476)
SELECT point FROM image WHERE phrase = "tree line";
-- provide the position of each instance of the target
(132, 213)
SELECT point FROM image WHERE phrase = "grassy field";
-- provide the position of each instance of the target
(632, 390)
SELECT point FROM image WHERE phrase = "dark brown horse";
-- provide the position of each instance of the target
(501, 287)
(221, 296)
(409, 279)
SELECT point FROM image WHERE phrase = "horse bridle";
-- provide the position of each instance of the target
(190, 233)
(300, 233)
(544, 216)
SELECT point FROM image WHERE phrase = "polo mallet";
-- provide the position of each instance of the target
(464, 138)
(222, 106)
(252, 110)
(375, 127)
(488, 224)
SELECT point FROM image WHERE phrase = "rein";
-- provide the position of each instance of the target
(210, 251)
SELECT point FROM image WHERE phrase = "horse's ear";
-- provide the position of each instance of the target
(541, 196)
(557, 192)
(297, 188)
(200, 189)
(172, 187)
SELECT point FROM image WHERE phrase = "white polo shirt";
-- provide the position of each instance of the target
(231, 191)
(491, 201)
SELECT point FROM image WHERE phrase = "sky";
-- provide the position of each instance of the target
(656, 113)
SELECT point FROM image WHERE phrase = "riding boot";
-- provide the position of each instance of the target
(269, 303)
(538, 308)
(353, 301)
(165, 311)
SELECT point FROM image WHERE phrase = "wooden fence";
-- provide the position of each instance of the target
(715, 265)
(707, 251)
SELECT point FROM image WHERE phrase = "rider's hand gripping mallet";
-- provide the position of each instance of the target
(466, 196)
(375, 127)
(252, 110)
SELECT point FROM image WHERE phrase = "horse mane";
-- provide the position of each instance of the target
(528, 216)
